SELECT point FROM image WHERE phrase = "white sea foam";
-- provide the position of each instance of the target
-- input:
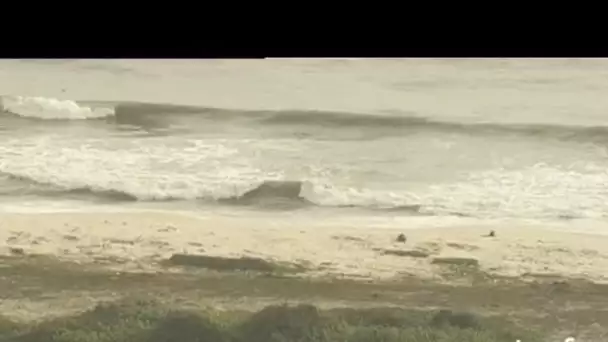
(160, 169)
(51, 108)
(539, 191)
(152, 171)
(446, 165)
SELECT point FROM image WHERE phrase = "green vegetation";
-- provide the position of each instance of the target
(149, 321)
(231, 264)
(407, 253)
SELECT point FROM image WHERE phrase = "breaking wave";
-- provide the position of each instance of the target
(270, 194)
(152, 116)
(50, 108)
(522, 194)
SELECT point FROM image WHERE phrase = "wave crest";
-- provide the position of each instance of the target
(152, 116)
(521, 193)
(51, 109)
(268, 194)
(273, 189)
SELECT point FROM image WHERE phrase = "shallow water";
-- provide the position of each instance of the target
(385, 139)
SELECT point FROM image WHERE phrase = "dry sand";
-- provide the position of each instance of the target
(141, 240)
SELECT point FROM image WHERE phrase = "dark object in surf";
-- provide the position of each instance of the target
(401, 238)
(272, 194)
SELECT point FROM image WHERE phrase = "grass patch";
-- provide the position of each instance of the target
(231, 264)
(466, 262)
(406, 253)
(148, 321)
(8, 328)
(462, 246)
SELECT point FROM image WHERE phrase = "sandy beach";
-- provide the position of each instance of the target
(139, 241)
(524, 273)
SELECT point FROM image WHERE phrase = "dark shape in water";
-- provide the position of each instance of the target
(272, 194)
(280, 189)
(156, 117)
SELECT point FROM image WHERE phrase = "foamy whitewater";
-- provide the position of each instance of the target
(438, 139)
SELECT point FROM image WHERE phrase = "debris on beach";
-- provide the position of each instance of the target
(70, 237)
(229, 264)
(168, 228)
(348, 238)
(491, 234)
(432, 247)
(121, 241)
(462, 246)
(401, 238)
(406, 253)
(17, 251)
(470, 262)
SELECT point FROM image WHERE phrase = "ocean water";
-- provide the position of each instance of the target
(483, 139)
